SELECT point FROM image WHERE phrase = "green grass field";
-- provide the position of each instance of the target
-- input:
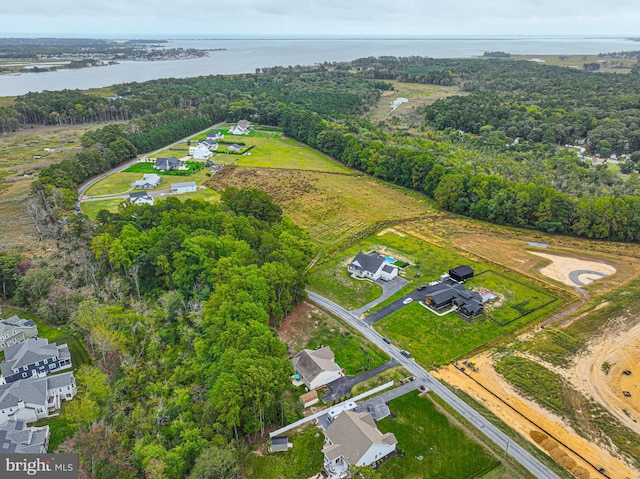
(353, 353)
(147, 167)
(422, 431)
(304, 460)
(337, 284)
(520, 298)
(116, 184)
(436, 340)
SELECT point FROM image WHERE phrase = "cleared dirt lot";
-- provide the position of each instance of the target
(551, 423)
(574, 271)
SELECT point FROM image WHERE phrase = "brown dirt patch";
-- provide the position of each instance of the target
(550, 422)
(620, 350)
(561, 266)
(297, 328)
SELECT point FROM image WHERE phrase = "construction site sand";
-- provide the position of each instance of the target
(553, 424)
(562, 266)
(621, 350)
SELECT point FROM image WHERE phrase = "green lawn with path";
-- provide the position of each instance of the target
(431, 446)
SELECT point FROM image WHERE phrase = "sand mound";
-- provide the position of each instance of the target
(573, 271)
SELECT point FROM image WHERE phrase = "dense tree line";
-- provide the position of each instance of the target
(183, 382)
(436, 168)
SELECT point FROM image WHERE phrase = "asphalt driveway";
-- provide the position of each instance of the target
(342, 387)
(415, 295)
(389, 288)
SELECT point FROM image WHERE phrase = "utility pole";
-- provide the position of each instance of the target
(505, 452)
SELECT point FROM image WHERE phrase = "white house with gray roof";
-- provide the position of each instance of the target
(15, 330)
(34, 357)
(33, 399)
(186, 187)
(148, 181)
(373, 266)
(353, 439)
(17, 438)
(317, 367)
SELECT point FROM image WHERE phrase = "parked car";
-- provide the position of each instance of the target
(405, 353)
(408, 300)
(421, 287)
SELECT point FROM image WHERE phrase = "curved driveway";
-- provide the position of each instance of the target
(517, 452)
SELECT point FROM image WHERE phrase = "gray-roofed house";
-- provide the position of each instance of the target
(166, 164)
(34, 357)
(15, 330)
(140, 198)
(235, 148)
(317, 367)
(148, 181)
(209, 143)
(35, 398)
(353, 439)
(214, 135)
(373, 266)
(17, 438)
(449, 293)
(186, 187)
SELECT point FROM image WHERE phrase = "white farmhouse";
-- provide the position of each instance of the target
(372, 266)
(200, 152)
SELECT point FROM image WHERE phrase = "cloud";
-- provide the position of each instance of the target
(399, 17)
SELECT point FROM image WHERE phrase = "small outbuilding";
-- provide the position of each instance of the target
(461, 273)
(309, 399)
(279, 443)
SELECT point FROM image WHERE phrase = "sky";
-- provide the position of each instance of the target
(165, 18)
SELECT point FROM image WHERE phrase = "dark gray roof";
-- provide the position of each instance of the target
(14, 322)
(16, 437)
(387, 268)
(61, 380)
(31, 391)
(278, 440)
(462, 270)
(138, 194)
(167, 163)
(368, 262)
(29, 352)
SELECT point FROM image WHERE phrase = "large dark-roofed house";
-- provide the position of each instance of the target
(448, 293)
(461, 273)
(372, 266)
(166, 164)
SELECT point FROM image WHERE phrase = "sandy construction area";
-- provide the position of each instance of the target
(618, 352)
(573, 271)
(550, 422)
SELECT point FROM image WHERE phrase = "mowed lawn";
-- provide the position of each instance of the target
(279, 152)
(432, 446)
(304, 460)
(116, 184)
(436, 340)
(352, 352)
(92, 208)
(518, 298)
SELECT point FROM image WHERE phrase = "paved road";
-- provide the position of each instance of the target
(533, 465)
(341, 387)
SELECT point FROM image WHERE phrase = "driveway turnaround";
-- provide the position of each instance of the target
(389, 288)
(342, 387)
